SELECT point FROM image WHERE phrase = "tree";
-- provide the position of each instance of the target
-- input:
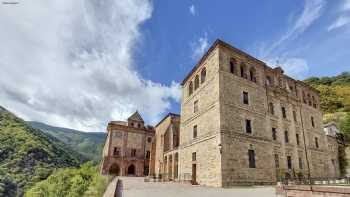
(330, 102)
(345, 127)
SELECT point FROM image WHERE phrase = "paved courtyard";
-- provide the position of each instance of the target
(136, 187)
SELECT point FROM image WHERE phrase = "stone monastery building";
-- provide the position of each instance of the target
(242, 122)
(127, 149)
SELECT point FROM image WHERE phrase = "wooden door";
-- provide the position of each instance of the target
(194, 174)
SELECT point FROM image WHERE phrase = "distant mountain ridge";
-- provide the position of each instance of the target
(88, 144)
(28, 155)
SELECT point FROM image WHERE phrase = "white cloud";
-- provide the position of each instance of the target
(192, 10)
(200, 46)
(70, 63)
(343, 19)
(311, 12)
(346, 5)
(340, 22)
(294, 67)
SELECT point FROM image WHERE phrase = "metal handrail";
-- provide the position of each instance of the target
(315, 181)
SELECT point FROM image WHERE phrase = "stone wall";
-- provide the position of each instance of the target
(312, 191)
(126, 139)
(221, 122)
(164, 138)
(208, 164)
(207, 119)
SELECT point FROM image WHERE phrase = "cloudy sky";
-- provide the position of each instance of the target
(80, 63)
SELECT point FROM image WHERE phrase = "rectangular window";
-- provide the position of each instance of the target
(248, 126)
(245, 98)
(316, 142)
(194, 156)
(277, 162)
(300, 163)
(271, 109)
(286, 137)
(133, 152)
(195, 106)
(195, 131)
(274, 134)
(116, 151)
(251, 155)
(312, 122)
(295, 116)
(289, 162)
(297, 137)
(284, 113)
(148, 154)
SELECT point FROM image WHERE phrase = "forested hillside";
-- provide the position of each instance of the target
(335, 99)
(72, 182)
(28, 155)
(88, 144)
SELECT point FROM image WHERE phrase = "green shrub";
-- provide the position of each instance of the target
(71, 182)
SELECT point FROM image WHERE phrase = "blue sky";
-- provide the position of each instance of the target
(253, 26)
(97, 61)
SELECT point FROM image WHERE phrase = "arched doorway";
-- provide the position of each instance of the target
(114, 170)
(131, 170)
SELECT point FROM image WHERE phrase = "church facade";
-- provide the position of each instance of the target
(127, 149)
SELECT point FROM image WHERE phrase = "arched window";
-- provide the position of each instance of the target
(203, 75)
(243, 71)
(309, 99)
(252, 74)
(131, 170)
(232, 65)
(196, 82)
(114, 169)
(268, 80)
(190, 89)
(291, 87)
(304, 98)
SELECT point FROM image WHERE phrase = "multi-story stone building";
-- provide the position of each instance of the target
(127, 149)
(243, 122)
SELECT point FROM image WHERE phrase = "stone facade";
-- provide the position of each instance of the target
(127, 149)
(331, 129)
(165, 158)
(243, 122)
(333, 154)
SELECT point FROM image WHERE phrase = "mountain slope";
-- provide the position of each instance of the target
(334, 92)
(28, 155)
(88, 144)
(334, 99)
